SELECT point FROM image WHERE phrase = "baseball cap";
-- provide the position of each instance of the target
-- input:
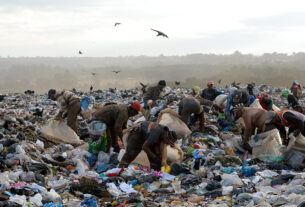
(210, 83)
(136, 106)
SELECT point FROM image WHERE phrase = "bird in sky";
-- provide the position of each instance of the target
(117, 24)
(93, 73)
(116, 71)
(80, 52)
(160, 33)
(177, 83)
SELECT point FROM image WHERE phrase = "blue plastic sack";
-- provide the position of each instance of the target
(104, 167)
(84, 103)
(89, 202)
(92, 159)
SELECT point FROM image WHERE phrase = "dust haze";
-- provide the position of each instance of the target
(42, 73)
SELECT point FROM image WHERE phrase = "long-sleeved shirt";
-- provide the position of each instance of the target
(153, 131)
(210, 94)
(66, 99)
(153, 93)
(115, 116)
(245, 100)
(293, 118)
(189, 105)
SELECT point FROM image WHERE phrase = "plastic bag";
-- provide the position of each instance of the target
(295, 159)
(256, 104)
(98, 145)
(172, 120)
(59, 132)
(89, 202)
(36, 200)
(97, 128)
(248, 171)
(221, 101)
(230, 179)
(84, 103)
(103, 158)
(269, 143)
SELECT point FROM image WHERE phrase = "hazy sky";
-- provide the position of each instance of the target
(62, 27)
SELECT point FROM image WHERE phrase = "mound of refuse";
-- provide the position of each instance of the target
(45, 163)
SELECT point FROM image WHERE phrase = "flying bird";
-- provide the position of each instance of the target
(160, 33)
(116, 71)
(93, 73)
(117, 23)
(177, 83)
(80, 52)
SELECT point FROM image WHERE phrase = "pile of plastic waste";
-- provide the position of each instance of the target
(44, 163)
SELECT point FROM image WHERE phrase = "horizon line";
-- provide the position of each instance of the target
(160, 55)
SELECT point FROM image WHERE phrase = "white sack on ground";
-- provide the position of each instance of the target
(59, 132)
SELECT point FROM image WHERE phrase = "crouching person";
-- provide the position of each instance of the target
(148, 137)
(70, 107)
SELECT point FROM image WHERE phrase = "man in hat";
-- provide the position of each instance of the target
(148, 137)
(287, 118)
(189, 106)
(239, 96)
(153, 94)
(70, 107)
(210, 93)
(115, 116)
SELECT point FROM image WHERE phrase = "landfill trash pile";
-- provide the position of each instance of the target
(44, 163)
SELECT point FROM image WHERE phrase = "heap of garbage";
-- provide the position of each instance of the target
(44, 163)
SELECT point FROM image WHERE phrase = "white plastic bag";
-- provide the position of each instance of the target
(59, 132)
(97, 128)
(221, 101)
(256, 104)
(171, 119)
(269, 143)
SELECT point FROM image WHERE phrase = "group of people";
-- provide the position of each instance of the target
(149, 135)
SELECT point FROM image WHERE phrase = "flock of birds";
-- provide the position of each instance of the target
(159, 33)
